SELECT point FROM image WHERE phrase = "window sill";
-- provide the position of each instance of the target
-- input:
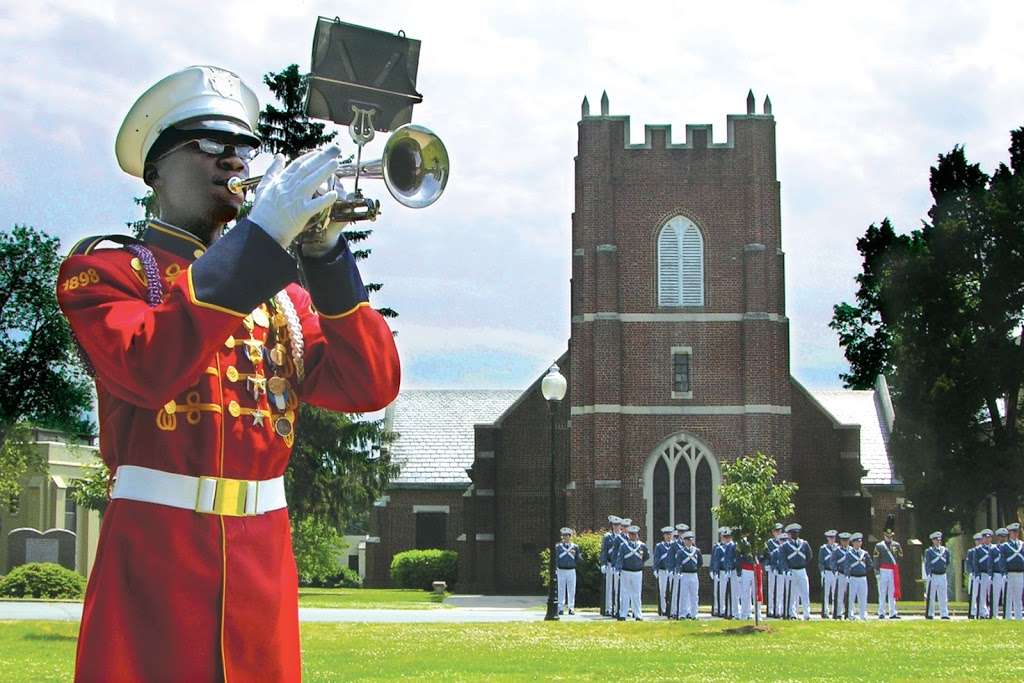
(682, 394)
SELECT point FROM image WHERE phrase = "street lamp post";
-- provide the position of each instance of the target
(553, 388)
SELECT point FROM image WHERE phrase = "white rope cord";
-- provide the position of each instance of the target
(284, 303)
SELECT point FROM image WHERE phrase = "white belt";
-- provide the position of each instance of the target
(209, 495)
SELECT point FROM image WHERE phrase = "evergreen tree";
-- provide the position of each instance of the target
(941, 309)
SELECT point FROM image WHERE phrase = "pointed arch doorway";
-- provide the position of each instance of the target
(681, 481)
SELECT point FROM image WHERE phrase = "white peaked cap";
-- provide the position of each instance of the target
(196, 92)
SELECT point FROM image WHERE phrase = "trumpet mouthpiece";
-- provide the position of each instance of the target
(235, 185)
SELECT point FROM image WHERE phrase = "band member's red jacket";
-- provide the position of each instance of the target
(175, 594)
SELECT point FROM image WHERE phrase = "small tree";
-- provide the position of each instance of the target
(751, 500)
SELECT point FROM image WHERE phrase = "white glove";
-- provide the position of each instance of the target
(604, 569)
(329, 237)
(284, 200)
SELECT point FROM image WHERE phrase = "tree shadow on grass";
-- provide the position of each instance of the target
(747, 630)
(48, 636)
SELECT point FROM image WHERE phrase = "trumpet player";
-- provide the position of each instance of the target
(202, 345)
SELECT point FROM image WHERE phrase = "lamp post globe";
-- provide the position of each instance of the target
(553, 388)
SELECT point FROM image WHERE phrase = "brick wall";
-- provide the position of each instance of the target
(394, 523)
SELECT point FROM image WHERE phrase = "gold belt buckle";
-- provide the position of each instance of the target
(229, 499)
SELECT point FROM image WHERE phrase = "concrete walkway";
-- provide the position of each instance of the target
(493, 609)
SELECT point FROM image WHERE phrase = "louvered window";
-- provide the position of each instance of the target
(680, 264)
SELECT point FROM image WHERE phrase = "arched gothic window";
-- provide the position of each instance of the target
(680, 264)
(681, 480)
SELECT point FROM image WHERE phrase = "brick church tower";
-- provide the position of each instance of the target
(680, 341)
(678, 363)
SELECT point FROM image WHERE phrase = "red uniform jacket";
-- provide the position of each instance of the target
(178, 595)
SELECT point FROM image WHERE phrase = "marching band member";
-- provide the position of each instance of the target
(999, 574)
(842, 555)
(609, 544)
(983, 563)
(716, 556)
(770, 573)
(630, 562)
(886, 552)
(660, 567)
(936, 561)
(798, 556)
(688, 563)
(675, 589)
(1013, 556)
(974, 586)
(745, 583)
(567, 554)
(202, 345)
(781, 570)
(828, 558)
(858, 564)
(728, 598)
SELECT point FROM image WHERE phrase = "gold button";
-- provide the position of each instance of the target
(136, 263)
(232, 373)
(234, 409)
(247, 322)
(197, 253)
(229, 342)
(169, 407)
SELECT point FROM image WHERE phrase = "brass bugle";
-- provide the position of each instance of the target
(414, 167)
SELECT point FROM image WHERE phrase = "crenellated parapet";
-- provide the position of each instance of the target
(698, 136)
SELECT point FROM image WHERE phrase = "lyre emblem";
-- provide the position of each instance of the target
(361, 128)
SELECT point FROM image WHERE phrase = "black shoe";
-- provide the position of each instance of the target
(895, 616)
(881, 616)
(639, 618)
(620, 618)
(946, 618)
(572, 611)
(928, 616)
(560, 613)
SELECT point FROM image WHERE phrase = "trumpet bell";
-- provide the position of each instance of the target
(415, 166)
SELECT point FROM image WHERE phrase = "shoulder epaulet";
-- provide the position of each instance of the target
(88, 244)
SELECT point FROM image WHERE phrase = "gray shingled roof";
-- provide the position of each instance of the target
(435, 427)
(864, 408)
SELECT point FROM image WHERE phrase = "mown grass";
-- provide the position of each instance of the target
(703, 651)
(370, 598)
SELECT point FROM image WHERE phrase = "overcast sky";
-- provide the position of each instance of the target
(864, 100)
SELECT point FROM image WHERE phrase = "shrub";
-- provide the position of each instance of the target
(346, 578)
(420, 568)
(42, 580)
(589, 580)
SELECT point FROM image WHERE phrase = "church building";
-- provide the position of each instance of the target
(678, 362)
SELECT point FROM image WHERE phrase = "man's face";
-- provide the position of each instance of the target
(794, 534)
(190, 184)
(936, 542)
(566, 538)
(1014, 535)
(844, 542)
(688, 542)
(667, 537)
(856, 544)
(831, 540)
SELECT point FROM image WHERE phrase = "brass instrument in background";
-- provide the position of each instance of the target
(414, 167)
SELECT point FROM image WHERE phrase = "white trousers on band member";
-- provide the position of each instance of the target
(688, 587)
(566, 588)
(770, 578)
(799, 592)
(781, 584)
(858, 588)
(938, 592)
(984, 592)
(886, 593)
(829, 582)
(630, 585)
(998, 586)
(1014, 596)
(746, 593)
(609, 590)
(842, 582)
(727, 583)
(663, 581)
(674, 581)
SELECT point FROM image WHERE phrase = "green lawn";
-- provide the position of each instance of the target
(370, 598)
(712, 651)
